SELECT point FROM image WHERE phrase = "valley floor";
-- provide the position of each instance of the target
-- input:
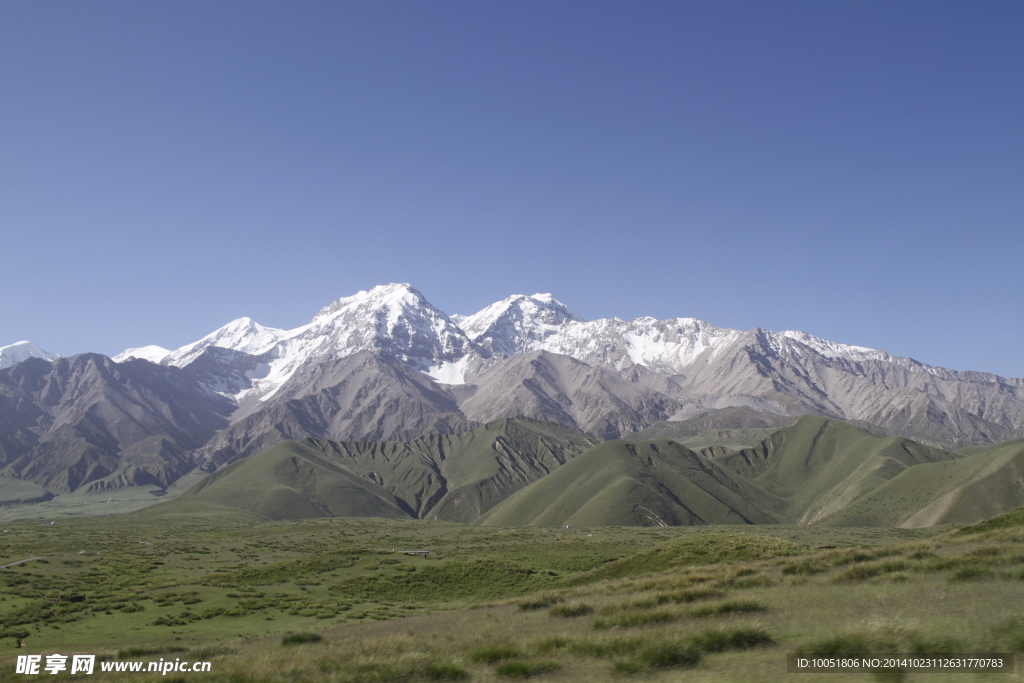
(335, 600)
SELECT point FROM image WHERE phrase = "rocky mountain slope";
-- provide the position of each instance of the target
(88, 422)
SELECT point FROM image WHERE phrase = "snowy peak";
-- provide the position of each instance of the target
(396, 319)
(15, 353)
(390, 297)
(152, 353)
(243, 334)
(519, 324)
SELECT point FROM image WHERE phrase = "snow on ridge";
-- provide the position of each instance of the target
(389, 296)
(12, 354)
(152, 353)
(662, 345)
(242, 334)
(832, 349)
(519, 324)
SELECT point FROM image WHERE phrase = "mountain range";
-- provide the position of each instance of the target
(386, 365)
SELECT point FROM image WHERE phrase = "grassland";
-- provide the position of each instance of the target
(329, 599)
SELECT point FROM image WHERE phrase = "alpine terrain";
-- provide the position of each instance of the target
(385, 365)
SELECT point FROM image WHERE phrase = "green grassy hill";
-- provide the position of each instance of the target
(817, 471)
(985, 483)
(292, 480)
(819, 466)
(619, 483)
(446, 477)
(516, 472)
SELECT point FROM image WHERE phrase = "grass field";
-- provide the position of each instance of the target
(329, 600)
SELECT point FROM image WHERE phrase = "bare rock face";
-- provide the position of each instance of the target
(87, 421)
(364, 397)
(556, 388)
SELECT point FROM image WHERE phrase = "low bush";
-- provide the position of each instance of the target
(814, 565)
(575, 609)
(443, 670)
(735, 607)
(551, 644)
(300, 638)
(689, 595)
(492, 653)
(721, 640)
(637, 618)
(659, 655)
(539, 602)
(519, 669)
(971, 572)
(756, 581)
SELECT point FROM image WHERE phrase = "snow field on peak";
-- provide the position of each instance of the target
(243, 334)
(661, 345)
(539, 309)
(450, 372)
(12, 354)
(152, 353)
(834, 349)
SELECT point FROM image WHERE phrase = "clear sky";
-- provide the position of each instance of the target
(853, 169)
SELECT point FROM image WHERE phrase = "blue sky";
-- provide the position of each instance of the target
(851, 169)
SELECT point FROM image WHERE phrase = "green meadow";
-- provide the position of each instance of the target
(334, 599)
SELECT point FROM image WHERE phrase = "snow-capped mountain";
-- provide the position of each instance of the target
(397, 321)
(519, 324)
(15, 353)
(386, 364)
(394, 320)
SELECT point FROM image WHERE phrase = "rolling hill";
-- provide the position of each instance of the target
(447, 477)
(518, 472)
(817, 471)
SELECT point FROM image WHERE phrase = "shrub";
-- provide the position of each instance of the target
(539, 602)
(493, 653)
(299, 638)
(971, 572)
(551, 644)
(689, 595)
(757, 581)
(720, 640)
(860, 572)
(810, 566)
(575, 609)
(736, 607)
(659, 656)
(638, 618)
(444, 670)
(518, 669)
